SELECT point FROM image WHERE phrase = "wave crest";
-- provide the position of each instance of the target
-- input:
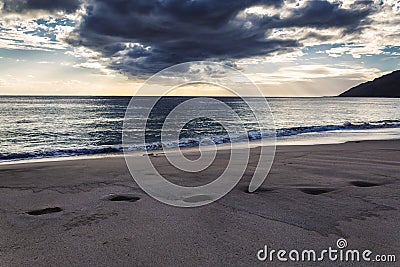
(193, 142)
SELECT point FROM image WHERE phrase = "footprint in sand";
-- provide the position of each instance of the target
(363, 184)
(197, 198)
(122, 197)
(44, 211)
(259, 190)
(154, 155)
(315, 190)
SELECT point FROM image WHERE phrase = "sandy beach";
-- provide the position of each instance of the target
(90, 212)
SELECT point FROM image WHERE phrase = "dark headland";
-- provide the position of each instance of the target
(385, 86)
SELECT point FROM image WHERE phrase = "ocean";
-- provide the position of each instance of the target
(52, 126)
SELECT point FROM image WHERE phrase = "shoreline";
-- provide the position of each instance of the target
(253, 143)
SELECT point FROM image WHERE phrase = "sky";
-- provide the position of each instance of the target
(110, 47)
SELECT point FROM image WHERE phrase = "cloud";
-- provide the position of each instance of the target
(313, 79)
(43, 34)
(310, 72)
(141, 37)
(26, 6)
(144, 36)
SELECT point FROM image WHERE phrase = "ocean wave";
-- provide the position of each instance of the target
(61, 153)
(345, 126)
(205, 140)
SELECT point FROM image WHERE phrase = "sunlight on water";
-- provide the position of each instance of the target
(34, 127)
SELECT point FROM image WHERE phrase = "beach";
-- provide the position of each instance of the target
(199, 133)
(91, 212)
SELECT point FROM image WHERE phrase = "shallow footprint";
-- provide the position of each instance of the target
(117, 197)
(44, 211)
(259, 190)
(197, 198)
(363, 184)
(155, 155)
(315, 190)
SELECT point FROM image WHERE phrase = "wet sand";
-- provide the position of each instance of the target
(90, 212)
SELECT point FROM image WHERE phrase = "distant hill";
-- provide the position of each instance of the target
(385, 86)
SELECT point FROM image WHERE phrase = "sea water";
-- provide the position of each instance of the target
(52, 126)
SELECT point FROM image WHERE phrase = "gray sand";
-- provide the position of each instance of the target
(91, 213)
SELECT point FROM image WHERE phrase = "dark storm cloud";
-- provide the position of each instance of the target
(24, 6)
(144, 36)
(322, 14)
